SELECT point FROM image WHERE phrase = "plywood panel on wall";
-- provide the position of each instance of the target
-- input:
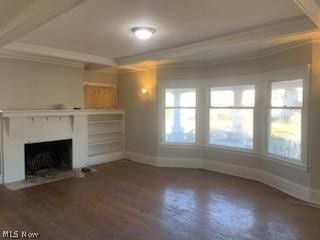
(100, 97)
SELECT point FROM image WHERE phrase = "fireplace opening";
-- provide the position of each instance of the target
(48, 158)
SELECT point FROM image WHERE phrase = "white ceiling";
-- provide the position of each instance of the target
(11, 8)
(102, 27)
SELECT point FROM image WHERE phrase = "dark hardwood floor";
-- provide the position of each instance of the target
(126, 200)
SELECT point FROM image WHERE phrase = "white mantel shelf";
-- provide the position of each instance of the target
(35, 113)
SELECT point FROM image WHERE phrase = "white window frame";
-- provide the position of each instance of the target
(262, 83)
(162, 109)
(251, 79)
(230, 82)
(289, 75)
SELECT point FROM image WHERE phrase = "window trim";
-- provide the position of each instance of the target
(162, 108)
(292, 73)
(209, 107)
(304, 119)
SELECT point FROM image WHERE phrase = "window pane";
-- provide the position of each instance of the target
(180, 125)
(233, 96)
(222, 98)
(180, 97)
(248, 98)
(287, 93)
(231, 128)
(285, 133)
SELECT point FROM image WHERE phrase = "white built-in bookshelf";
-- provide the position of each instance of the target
(105, 135)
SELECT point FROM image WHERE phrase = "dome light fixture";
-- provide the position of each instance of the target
(143, 33)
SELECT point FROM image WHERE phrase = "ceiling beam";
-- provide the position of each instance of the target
(256, 36)
(38, 13)
(58, 53)
(311, 8)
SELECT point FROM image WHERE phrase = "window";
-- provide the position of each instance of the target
(285, 126)
(180, 115)
(231, 116)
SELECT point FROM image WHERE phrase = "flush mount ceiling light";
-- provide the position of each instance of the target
(143, 33)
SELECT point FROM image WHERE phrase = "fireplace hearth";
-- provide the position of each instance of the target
(47, 158)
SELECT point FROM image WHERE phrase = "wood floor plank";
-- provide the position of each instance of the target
(131, 201)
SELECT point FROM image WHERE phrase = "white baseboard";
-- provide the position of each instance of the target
(315, 196)
(284, 185)
(105, 158)
(294, 189)
(230, 169)
(163, 161)
(141, 158)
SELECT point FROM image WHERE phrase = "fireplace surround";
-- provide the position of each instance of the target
(20, 128)
(96, 136)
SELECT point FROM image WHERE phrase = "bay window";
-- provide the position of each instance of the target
(263, 114)
(231, 116)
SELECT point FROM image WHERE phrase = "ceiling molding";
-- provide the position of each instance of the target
(238, 58)
(311, 8)
(41, 59)
(30, 52)
(38, 13)
(233, 59)
(255, 36)
(58, 53)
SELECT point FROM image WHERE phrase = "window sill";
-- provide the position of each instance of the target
(181, 145)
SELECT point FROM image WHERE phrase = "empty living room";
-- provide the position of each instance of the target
(160, 119)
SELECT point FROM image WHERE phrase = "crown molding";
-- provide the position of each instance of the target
(311, 37)
(251, 37)
(237, 58)
(58, 53)
(233, 59)
(40, 59)
(311, 8)
(36, 14)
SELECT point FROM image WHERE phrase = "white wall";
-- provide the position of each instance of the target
(31, 85)
(141, 111)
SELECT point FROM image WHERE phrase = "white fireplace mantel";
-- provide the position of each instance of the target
(19, 127)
